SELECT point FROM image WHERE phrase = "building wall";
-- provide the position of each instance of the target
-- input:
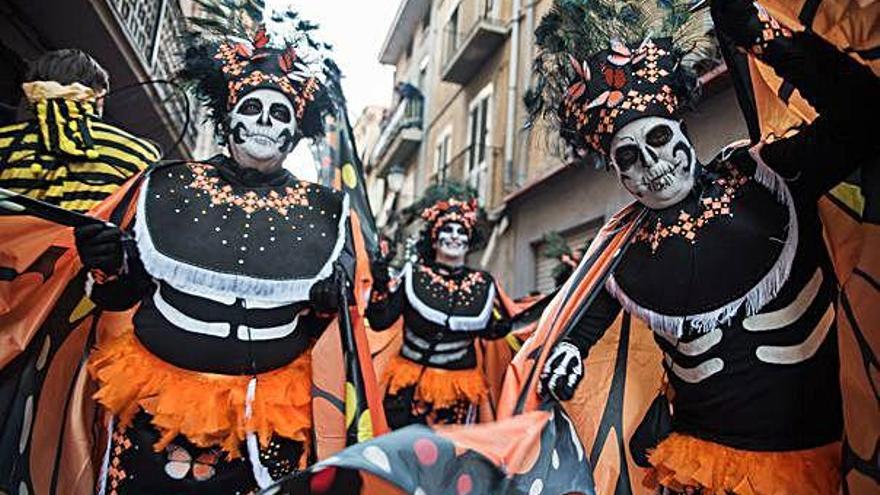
(539, 195)
(366, 132)
(450, 102)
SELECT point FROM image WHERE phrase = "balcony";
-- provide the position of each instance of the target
(136, 41)
(154, 30)
(401, 135)
(406, 21)
(474, 32)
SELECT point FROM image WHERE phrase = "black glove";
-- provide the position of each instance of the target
(744, 24)
(324, 295)
(381, 275)
(100, 247)
(499, 328)
(563, 371)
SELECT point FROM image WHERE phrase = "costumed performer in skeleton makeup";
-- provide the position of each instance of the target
(446, 307)
(237, 269)
(725, 261)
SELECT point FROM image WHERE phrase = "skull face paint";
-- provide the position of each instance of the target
(452, 243)
(654, 161)
(262, 127)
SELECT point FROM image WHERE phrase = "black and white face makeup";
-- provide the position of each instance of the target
(262, 128)
(452, 244)
(654, 161)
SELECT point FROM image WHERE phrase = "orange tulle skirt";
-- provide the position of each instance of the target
(683, 461)
(439, 387)
(208, 409)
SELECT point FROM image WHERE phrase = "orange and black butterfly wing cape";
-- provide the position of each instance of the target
(850, 216)
(534, 446)
(614, 404)
(50, 430)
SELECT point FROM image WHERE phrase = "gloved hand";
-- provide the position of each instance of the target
(100, 247)
(381, 275)
(749, 26)
(562, 372)
(324, 295)
(499, 328)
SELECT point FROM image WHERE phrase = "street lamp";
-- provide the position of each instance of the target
(395, 178)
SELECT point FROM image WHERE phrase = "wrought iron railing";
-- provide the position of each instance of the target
(154, 29)
(407, 115)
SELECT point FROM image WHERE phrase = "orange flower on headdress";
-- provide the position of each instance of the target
(451, 210)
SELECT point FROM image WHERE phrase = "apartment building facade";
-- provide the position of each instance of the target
(471, 61)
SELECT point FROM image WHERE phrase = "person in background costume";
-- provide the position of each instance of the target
(64, 154)
(567, 259)
(437, 377)
(727, 263)
(237, 268)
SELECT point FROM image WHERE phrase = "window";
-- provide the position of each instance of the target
(452, 33)
(480, 149)
(489, 8)
(426, 19)
(577, 239)
(423, 75)
(442, 152)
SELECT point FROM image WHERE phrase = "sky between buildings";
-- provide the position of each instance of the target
(356, 29)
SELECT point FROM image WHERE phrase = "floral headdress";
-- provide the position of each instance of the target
(600, 66)
(236, 46)
(465, 212)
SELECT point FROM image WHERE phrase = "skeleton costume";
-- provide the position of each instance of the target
(436, 378)
(727, 263)
(211, 389)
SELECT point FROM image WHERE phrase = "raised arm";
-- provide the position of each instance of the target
(386, 303)
(845, 93)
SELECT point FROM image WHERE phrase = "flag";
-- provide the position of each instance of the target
(340, 166)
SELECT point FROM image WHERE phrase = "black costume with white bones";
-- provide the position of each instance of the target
(734, 278)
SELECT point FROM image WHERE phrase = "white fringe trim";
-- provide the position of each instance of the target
(198, 280)
(454, 323)
(756, 298)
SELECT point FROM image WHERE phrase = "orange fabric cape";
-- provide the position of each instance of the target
(623, 370)
(52, 434)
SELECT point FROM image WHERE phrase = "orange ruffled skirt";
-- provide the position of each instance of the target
(436, 386)
(683, 461)
(208, 409)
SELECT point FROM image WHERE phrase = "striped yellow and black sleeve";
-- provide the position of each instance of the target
(74, 184)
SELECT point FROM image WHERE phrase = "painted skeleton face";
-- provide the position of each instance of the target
(654, 161)
(262, 127)
(452, 241)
